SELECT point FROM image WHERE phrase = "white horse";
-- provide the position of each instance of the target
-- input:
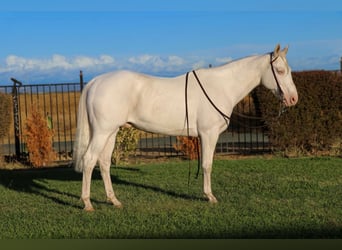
(157, 105)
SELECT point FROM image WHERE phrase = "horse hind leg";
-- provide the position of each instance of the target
(105, 163)
(90, 158)
(89, 163)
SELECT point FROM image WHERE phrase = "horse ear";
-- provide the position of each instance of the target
(285, 50)
(276, 50)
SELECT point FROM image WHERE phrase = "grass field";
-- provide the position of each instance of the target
(258, 198)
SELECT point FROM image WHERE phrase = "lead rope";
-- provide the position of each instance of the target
(188, 133)
(225, 117)
(187, 122)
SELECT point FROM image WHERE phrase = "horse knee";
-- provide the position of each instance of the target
(207, 169)
(104, 164)
(89, 160)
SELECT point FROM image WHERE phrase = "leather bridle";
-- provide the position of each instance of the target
(281, 93)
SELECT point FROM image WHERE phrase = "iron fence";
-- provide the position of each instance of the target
(59, 102)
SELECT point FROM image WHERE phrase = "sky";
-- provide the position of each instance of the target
(51, 41)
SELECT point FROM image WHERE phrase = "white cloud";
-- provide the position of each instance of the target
(223, 60)
(156, 63)
(199, 64)
(87, 62)
(143, 59)
(60, 68)
(15, 63)
(176, 60)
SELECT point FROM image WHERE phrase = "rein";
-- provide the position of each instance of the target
(188, 129)
(225, 117)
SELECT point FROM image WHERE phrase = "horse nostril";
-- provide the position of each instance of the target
(293, 100)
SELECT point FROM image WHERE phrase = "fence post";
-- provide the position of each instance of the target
(81, 80)
(16, 85)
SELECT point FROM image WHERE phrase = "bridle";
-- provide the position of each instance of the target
(274, 74)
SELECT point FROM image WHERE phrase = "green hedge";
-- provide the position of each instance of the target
(5, 114)
(314, 125)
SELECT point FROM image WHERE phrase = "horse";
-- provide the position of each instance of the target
(159, 105)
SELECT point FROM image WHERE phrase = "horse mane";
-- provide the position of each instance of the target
(234, 62)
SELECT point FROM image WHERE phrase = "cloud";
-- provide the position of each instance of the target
(62, 68)
(87, 62)
(199, 64)
(171, 64)
(223, 60)
(15, 63)
(156, 63)
(56, 68)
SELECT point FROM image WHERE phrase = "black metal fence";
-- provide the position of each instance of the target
(59, 103)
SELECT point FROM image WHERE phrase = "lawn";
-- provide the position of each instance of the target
(258, 198)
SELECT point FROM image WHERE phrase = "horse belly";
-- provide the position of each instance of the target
(160, 111)
(164, 119)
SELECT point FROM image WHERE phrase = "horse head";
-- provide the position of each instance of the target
(278, 77)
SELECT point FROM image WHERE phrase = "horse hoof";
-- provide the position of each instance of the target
(211, 198)
(89, 209)
(116, 203)
(118, 206)
(213, 201)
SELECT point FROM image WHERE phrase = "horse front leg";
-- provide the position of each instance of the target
(208, 144)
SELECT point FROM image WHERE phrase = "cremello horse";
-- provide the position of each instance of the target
(157, 105)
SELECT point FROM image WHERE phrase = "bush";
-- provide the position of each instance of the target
(188, 146)
(5, 114)
(126, 143)
(312, 126)
(39, 139)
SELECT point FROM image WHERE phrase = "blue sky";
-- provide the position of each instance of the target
(50, 41)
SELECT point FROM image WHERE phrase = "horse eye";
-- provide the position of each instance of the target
(281, 71)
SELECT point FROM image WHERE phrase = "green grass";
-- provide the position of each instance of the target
(258, 198)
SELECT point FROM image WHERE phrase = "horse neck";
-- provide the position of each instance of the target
(243, 76)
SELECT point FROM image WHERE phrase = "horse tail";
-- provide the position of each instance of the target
(82, 132)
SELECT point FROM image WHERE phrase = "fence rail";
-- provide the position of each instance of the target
(59, 102)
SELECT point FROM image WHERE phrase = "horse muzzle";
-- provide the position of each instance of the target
(290, 100)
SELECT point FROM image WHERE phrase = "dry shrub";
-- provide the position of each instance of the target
(188, 146)
(5, 114)
(126, 143)
(39, 139)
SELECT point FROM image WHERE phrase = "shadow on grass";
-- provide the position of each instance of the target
(32, 181)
